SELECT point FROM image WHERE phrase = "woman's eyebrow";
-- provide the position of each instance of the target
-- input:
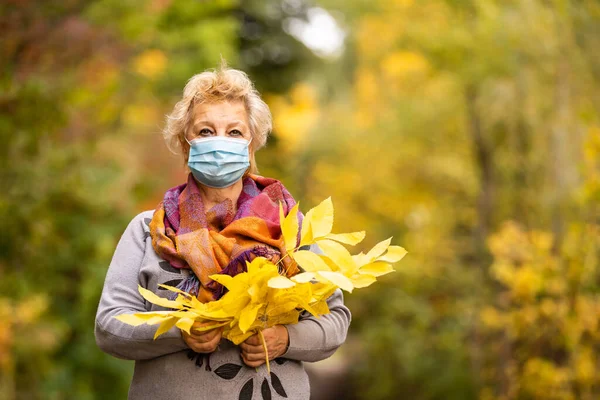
(198, 123)
(210, 123)
(236, 122)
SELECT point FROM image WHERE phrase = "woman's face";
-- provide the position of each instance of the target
(226, 119)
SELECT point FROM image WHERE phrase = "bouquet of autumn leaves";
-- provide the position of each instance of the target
(261, 298)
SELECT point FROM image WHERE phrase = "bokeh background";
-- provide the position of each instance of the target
(467, 129)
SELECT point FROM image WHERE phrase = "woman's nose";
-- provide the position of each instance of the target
(221, 132)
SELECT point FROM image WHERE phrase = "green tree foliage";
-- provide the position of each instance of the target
(468, 130)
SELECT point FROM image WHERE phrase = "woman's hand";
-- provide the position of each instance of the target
(277, 340)
(202, 342)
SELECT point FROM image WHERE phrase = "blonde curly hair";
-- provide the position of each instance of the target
(213, 86)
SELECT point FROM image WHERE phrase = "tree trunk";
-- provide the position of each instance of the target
(483, 158)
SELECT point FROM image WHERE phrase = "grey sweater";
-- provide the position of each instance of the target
(162, 367)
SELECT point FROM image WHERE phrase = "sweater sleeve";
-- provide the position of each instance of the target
(314, 339)
(120, 296)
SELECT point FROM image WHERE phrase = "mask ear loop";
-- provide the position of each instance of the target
(247, 172)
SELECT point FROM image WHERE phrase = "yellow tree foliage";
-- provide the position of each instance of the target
(294, 115)
(469, 123)
(545, 309)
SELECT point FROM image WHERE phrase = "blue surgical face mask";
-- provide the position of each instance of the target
(218, 162)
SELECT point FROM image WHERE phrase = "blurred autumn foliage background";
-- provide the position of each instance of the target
(467, 129)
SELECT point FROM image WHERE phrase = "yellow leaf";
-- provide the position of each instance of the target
(322, 290)
(394, 254)
(220, 315)
(280, 282)
(165, 326)
(185, 298)
(310, 261)
(223, 279)
(362, 280)
(300, 296)
(141, 318)
(257, 265)
(208, 325)
(378, 250)
(306, 234)
(173, 289)
(360, 259)
(279, 309)
(376, 268)
(160, 301)
(321, 219)
(339, 255)
(285, 318)
(258, 291)
(321, 307)
(289, 227)
(303, 277)
(233, 303)
(352, 239)
(158, 319)
(183, 314)
(332, 266)
(248, 316)
(185, 324)
(311, 310)
(236, 336)
(214, 311)
(338, 279)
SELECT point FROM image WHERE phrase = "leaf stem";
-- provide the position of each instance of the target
(264, 344)
(287, 254)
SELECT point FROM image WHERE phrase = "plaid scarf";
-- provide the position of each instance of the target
(221, 240)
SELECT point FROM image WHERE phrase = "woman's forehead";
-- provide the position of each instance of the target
(224, 111)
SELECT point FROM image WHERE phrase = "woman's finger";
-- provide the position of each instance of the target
(206, 336)
(200, 338)
(206, 347)
(255, 356)
(251, 349)
(198, 324)
(203, 343)
(253, 340)
(253, 363)
(199, 332)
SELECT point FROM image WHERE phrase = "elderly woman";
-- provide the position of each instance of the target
(223, 216)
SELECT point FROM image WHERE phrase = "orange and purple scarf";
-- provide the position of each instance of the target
(222, 239)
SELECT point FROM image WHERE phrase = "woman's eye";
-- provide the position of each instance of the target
(204, 132)
(235, 132)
